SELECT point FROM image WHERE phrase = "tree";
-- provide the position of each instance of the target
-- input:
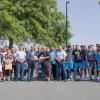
(37, 20)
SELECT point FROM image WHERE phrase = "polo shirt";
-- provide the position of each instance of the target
(21, 55)
(60, 54)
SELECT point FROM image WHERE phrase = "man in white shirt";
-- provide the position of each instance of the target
(21, 59)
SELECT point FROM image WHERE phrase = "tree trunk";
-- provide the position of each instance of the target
(10, 43)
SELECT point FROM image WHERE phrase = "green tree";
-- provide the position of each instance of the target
(10, 26)
(37, 20)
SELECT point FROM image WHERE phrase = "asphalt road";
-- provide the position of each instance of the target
(49, 90)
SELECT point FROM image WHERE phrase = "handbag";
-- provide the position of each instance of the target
(8, 66)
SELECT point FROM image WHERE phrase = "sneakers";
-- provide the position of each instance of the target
(83, 77)
(98, 78)
(93, 77)
(87, 77)
(77, 78)
(65, 80)
(71, 77)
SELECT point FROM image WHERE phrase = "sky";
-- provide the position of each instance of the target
(84, 18)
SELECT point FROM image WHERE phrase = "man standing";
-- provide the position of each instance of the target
(46, 64)
(21, 59)
(60, 57)
(69, 63)
(77, 63)
(91, 61)
(30, 57)
(85, 71)
(53, 62)
(36, 62)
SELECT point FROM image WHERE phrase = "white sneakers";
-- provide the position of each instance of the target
(98, 78)
(83, 77)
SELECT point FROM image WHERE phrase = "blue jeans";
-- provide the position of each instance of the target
(40, 74)
(62, 67)
(67, 73)
(20, 69)
(30, 70)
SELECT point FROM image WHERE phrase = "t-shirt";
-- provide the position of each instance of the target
(77, 56)
(97, 56)
(52, 57)
(91, 55)
(21, 55)
(84, 54)
(8, 58)
(37, 53)
(45, 54)
(69, 55)
(60, 54)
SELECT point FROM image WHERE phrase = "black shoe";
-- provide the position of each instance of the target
(28, 80)
(3, 80)
(22, 80)
(57, 80)
(16, 80)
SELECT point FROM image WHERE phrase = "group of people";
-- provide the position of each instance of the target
(46, 63)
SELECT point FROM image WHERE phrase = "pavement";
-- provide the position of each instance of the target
(40, 90)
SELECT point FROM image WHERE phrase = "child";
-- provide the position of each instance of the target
(98, 62)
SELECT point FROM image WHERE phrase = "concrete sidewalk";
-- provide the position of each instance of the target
(37, 90)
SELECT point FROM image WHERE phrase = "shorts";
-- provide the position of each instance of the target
(78, 65)
(85, 64)
(69, 65)
(98, 67)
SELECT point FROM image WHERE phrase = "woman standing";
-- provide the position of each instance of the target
(8, 59)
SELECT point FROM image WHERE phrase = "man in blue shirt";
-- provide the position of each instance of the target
(53, 62)
(60, 57)
(69, 63)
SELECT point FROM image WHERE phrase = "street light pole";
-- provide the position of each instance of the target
(67, 2)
